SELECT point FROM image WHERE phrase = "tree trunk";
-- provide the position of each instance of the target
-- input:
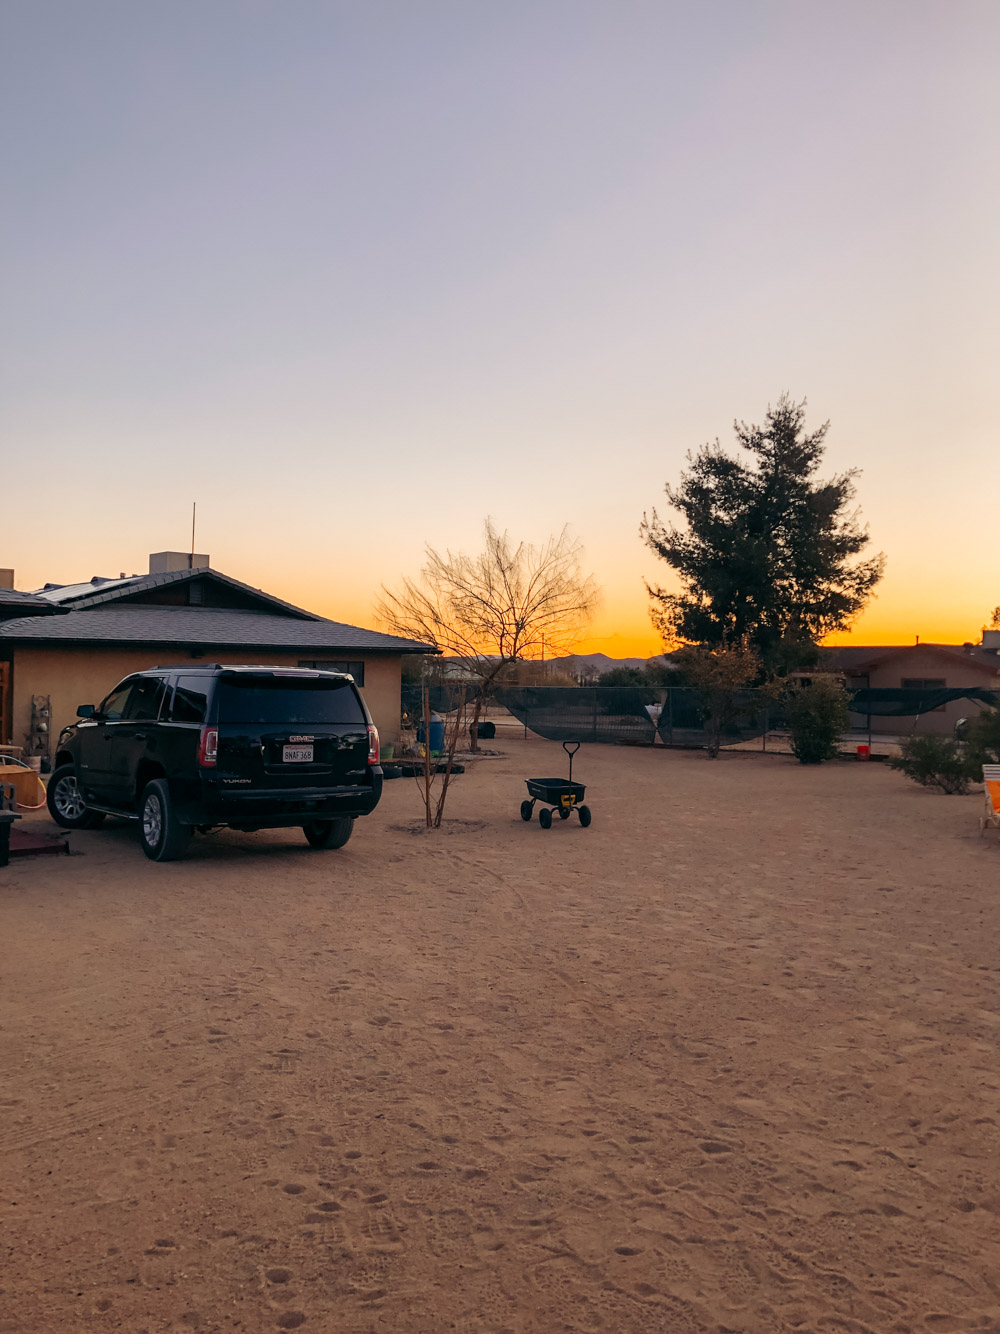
(474, 726)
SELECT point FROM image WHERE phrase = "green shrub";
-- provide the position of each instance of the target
(818, 716)
(935, 761)
(982, 740)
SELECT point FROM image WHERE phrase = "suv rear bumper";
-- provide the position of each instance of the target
(276, 808)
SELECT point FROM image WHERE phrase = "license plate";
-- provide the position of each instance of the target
(297, 754)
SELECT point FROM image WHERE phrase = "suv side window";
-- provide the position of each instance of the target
(190, 699)
(114, 706)
(145, 700)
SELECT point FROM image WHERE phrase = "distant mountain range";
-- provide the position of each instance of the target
(595, 664)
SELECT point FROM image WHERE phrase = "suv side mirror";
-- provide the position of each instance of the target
(85, 710)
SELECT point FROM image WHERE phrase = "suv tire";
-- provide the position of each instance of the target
(65, 801)
(329, 833)
(163, 837)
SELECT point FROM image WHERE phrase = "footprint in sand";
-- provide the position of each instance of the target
(278, 1275)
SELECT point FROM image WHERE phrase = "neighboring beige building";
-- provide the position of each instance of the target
(919, 666)
(99, 632)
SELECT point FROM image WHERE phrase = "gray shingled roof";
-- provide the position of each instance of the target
(856, 658)
(10, 597)
(201, 626)
(119, 590)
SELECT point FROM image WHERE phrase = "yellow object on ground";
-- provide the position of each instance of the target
(26, 783)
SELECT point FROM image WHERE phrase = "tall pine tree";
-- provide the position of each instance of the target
(764, 550)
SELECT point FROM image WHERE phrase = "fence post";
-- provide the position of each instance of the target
(670, 715)
(767, 718)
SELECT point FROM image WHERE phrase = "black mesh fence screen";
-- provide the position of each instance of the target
(885, 702)
(441, 699)
(640, 714)
(584, 713)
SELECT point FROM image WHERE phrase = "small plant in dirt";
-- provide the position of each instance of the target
(723, 678)
(818, 716)
(935, 761)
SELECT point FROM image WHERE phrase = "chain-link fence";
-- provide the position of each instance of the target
(633, 714)
(676, 715)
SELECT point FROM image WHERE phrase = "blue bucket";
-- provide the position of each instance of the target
(437, 733)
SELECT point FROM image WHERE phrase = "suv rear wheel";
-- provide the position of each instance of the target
(163, 836)
(329, 833)
(65, 801)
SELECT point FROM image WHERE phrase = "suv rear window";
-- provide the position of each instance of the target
(262, 699)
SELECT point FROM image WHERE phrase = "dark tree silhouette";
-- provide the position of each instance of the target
(764, 550)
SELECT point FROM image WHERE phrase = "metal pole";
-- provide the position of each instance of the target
(427, 755)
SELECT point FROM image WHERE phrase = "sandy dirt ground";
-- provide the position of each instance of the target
(724, 1061)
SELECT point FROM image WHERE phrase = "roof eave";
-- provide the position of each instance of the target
(25, 637)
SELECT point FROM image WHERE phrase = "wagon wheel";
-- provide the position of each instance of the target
(545, 818)
(527, 809)
(584, 812)
(563, 812)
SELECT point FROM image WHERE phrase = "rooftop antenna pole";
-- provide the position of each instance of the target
(194, 511)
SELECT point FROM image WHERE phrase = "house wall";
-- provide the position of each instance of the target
(922, 662)
(73, 675)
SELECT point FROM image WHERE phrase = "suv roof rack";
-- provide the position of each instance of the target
(184, 667)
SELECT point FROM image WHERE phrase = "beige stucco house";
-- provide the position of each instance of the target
(70, 644)
(923, 667)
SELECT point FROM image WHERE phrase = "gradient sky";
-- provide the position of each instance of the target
(354, 275)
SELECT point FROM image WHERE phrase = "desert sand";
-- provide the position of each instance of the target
(724, 1061)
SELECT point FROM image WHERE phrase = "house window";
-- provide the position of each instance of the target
(356, 669)
(925, 683)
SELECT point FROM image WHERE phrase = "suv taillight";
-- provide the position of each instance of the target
(208, 747)
(372, 744)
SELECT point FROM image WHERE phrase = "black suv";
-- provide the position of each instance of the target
(184, 748)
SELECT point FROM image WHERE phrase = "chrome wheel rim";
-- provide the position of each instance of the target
(152, 820)
(67, 799)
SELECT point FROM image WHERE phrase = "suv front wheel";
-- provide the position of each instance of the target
(163, 836)
(329, 833)
(65, 801)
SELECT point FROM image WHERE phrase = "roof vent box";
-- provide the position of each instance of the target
(169, 562)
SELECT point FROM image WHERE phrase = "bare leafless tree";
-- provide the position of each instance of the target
(509, 602)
